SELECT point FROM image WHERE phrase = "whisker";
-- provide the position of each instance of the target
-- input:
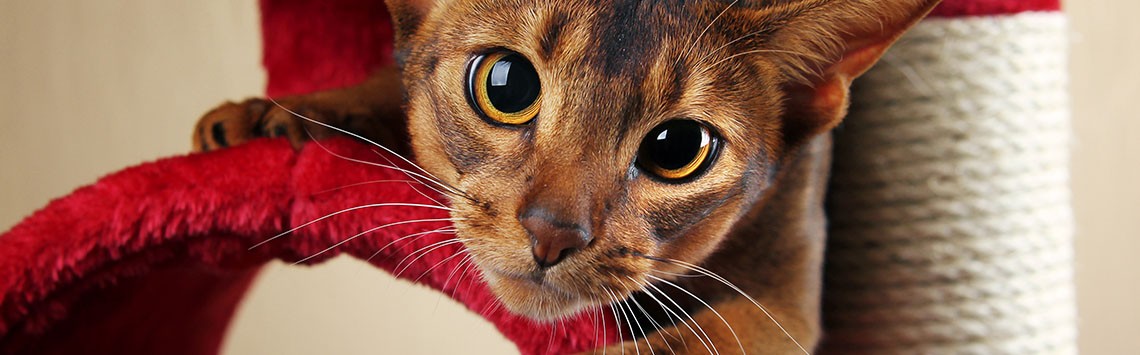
(763, 51)
(414, 175)
(496, 307)
(391, 166)
(417, 180)
(644, 311)
(425, 195)
(919, 82)
(593, 312)
(674, 318)
(628, 323)
(600, 320)
(338, 129)
(421, 251)
(724, 281)
(718, 49)
(702, 301)
(461, 264)
(589, 312)
(710, 346)
(729, 43)
(617, 320)
(458, 253)
(362, 184)
(463, 275)
(441, 230)
(443, 289)
(350, 209)
(659, 329)
(550, 340)
(638, 323)
(373, 229)
(488, 308)
(673, 274)
(698, 39)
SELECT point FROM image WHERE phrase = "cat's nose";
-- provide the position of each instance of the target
(552, 238)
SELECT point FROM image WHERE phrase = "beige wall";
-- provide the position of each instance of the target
(87, 87)
(1106, 172)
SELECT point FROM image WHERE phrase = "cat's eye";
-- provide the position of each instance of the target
(677, 149)
(503, 87)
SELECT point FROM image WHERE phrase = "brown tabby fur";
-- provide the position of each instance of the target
(769, 76)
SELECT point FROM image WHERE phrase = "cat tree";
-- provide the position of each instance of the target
(950, 223)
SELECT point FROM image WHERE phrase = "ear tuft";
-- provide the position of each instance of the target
(407, 16)
(829, 43)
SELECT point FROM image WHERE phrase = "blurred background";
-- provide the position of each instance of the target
(90, 87)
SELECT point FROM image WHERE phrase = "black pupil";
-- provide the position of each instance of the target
(673, 145)
(512, 84)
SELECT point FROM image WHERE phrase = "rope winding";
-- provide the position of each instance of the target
(951, 229)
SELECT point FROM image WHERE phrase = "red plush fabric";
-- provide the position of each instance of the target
(315, 45)
(962, 8)
(154, 259)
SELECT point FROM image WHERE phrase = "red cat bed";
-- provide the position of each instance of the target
(155, 258)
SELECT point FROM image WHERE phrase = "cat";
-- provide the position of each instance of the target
(597, 151)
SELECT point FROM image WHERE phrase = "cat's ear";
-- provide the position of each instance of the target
(828, 45)
(407, 16)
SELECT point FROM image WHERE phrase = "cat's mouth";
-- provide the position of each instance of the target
(536, 279)
(533, 294)
(537, 276)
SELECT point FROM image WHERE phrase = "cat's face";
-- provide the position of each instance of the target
(594, 136)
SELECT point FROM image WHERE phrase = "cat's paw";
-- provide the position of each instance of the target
(233, 123)
(370, 110)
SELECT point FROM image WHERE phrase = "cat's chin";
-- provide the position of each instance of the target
(534, 300)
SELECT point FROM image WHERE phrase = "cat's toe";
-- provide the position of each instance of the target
(297, 119)
(227, 125)
(289, 121)
(233, 123)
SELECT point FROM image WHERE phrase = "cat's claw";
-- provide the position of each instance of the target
(233, 123)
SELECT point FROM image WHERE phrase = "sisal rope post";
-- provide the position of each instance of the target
(950, 222)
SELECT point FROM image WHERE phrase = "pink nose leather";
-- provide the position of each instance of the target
(552, 239)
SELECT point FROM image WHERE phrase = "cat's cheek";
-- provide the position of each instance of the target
(496, 246)
(703, 239)
(426, 146)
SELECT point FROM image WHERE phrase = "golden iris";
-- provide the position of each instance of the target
(677, 149)
(503, 87)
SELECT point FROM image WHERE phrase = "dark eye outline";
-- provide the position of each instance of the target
(695, 168)
(478, 69)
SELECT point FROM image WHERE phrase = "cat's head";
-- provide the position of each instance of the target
(593, 136)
